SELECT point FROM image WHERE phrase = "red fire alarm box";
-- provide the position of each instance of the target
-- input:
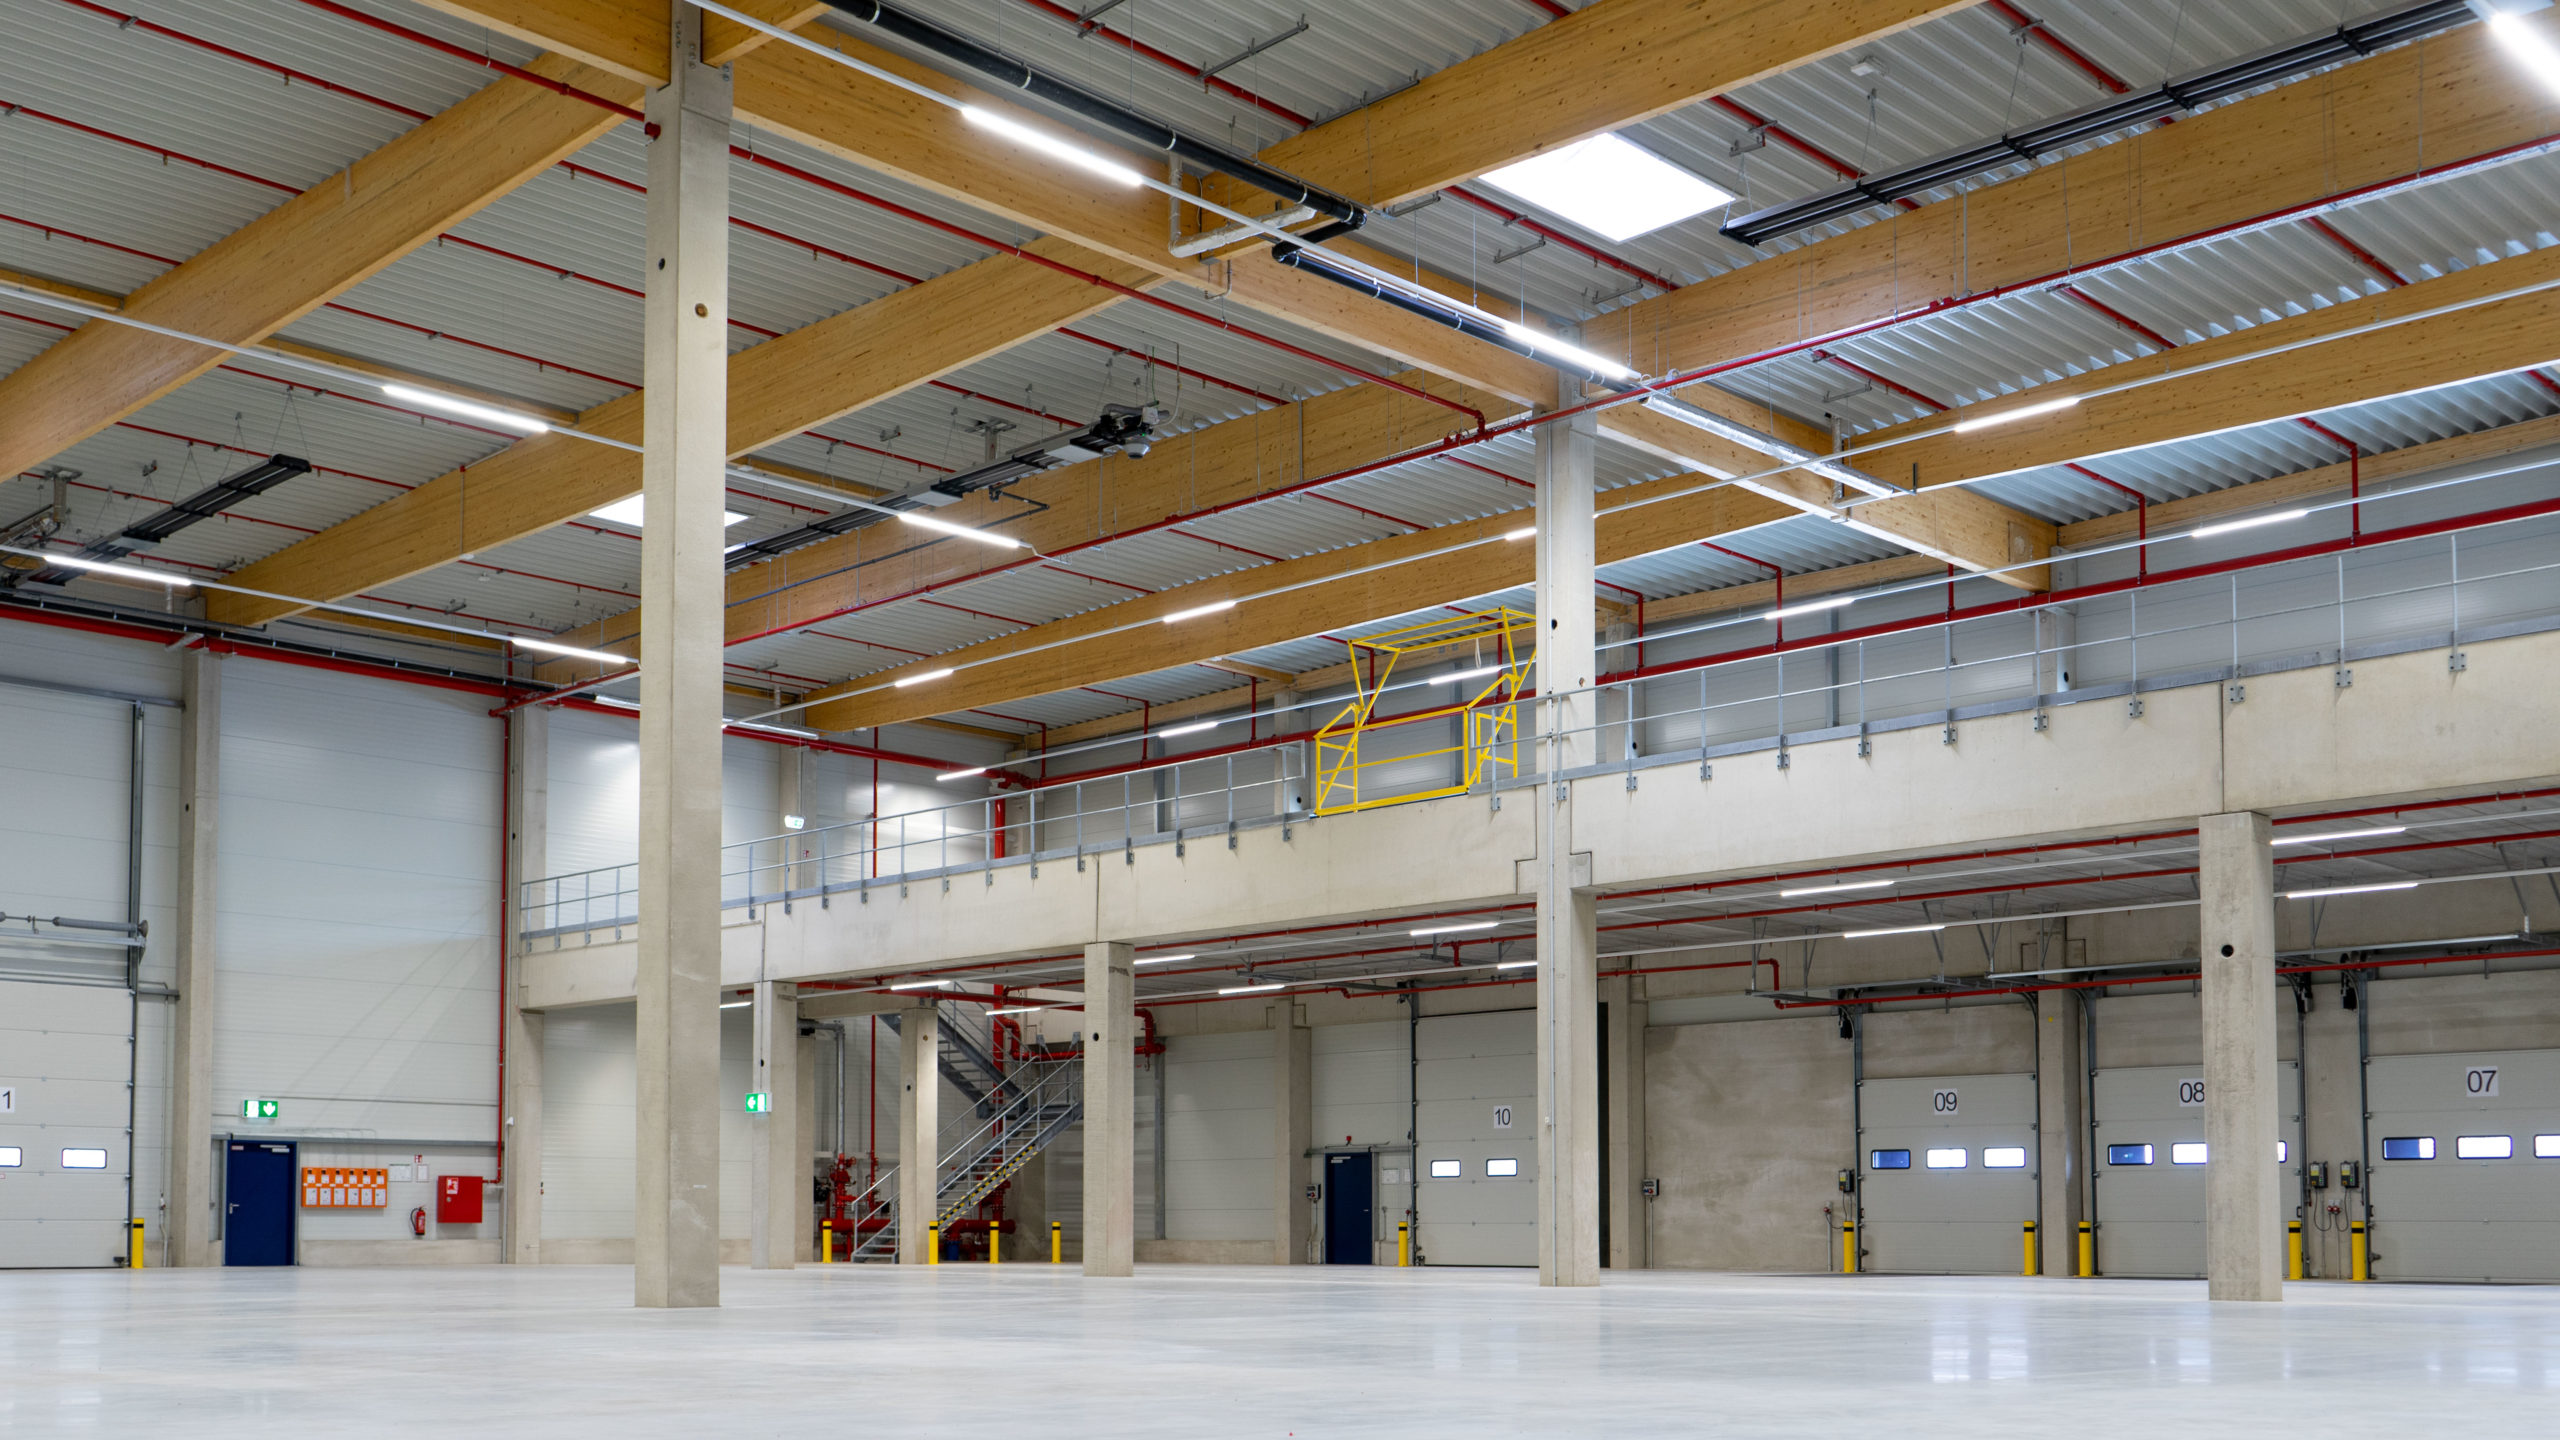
(458, 1199)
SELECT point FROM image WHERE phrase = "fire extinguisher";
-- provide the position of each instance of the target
(418, 1222)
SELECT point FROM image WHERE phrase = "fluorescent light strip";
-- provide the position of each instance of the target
(1525, 532)
(1835, 889)
(1196, 611)
(960, 774)
(1542, 343)
(2527, 45)
(554, 647)
(1457, 929)
(926, 678)
(2349, 890)
(735, 1004)
(2340, 835)
(122, 572)
(1254, 989)
(2206, 532)
(1769, 445)
(1811, 607)
(923, 985)
(1191, 729)
(1476, 674)
(1051, 146)
(1516, 965)
(965, 532)
(1889, 930)
(1161, 959)
(1022, 1009)
(2023, 412)
(489, 414)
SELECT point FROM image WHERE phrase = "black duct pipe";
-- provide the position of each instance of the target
(2270, 66)
(1108, 114)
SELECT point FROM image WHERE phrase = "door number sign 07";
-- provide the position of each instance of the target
(2480, 1081)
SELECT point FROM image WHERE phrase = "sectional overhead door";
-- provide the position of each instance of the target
(1476, 1091)
(2465, 1168)
(1947, 1173)
(2151, 1163)
(65, 1054)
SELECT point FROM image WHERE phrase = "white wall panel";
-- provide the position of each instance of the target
(1361, 1084)
(588, 1123)
(1218, 1136)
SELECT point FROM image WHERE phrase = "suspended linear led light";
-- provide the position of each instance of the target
(1525, 532)
(735, 1004)
(1162, 959)
(2349, 890)
(572, 652)
(1541, 343)
(773, 729)
(1517, 965)
(630, 509)
(121, 572)
(924, 679)
(1889, 930)
(1766, 444)
(2523, 41)
(1478, 673)
(960, 774)
(1457, 929)
(1051, 146)
(1810, 607)
(490, 414)
(2203, 532)
(1022, 1009)
(965, 532)
(2340, 835)
(1192, 729)
(2023, 412)
(1254, 989)
(1835, 889)
(923, 985)
(1196, 611)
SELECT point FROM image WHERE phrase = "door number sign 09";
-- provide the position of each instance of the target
(1942, 1102)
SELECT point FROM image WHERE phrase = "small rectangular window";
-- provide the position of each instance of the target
(1888, 1159)
(1445, 1169)
(2187, 1152)
(2284, 1152)
(10, 1159)
(1501, 1168)
(2128, 1154)
(1948, 1159)
(2484, 1147)
(2004, 1157)
(84, 1159)
(2409, 1147)
(2546, 1147)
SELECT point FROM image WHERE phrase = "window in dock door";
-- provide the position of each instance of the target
(2409, 1147)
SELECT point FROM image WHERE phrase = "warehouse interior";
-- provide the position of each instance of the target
(1341, 717)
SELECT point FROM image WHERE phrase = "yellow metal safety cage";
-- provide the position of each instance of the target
(1501, 645)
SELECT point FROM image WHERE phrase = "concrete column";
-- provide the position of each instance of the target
(2062, 1131)
(1292, 1121)
(804, 1172)
(790, 800)
(919, 1129)
(2244, 1187)
(528, 822)
(1110, 1117)
(684, 430)
(1568, 939)
(192, 1223)
(777, 1164)
(1627, 1168)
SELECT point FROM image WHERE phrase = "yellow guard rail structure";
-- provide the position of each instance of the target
(1503, 644)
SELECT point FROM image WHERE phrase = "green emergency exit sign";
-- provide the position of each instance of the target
(260, 1109)
(759, 1103)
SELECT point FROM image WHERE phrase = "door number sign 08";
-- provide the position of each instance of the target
(2190, 1093)
(1942, 1102)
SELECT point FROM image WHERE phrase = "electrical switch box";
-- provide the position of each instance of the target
(1653, 1189)
(2349, 1172)
(1848, 1182)
(2317, 1172)
(458, 1199)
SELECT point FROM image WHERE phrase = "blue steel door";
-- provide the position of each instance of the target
(259, 1198)
(1347, 1220)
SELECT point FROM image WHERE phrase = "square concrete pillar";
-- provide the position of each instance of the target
(2244, 1186)
(2062, 1131)
(192, 1222)
(528, 822)
(919, 1130)
(777, 1166)
(1110, 1114)
(1568, 1083)
(805, 1173)
(1292, 1116)
(1626, 1011)
(685, 444)
(1567, 582)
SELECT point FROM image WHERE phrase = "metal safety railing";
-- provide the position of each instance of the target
(1917, 659)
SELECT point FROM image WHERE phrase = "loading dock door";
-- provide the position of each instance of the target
(65, 1052)
(2450, 1215)
(2151, 1164)
(1476, 1092)
(1947, 1173)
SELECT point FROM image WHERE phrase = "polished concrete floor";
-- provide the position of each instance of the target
(1032, 1351)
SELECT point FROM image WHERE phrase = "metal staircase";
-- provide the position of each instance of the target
(1016, 1113)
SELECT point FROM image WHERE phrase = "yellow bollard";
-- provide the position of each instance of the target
(826, 1242)
(1404, 1242)
(2088, 1251)
(1848, 1247)
(1057, 1242)
(134, 1258)
(2363, 1250)
(2030, 1249)
(2293, 1250)
(933, 1244)
(995, 1244)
